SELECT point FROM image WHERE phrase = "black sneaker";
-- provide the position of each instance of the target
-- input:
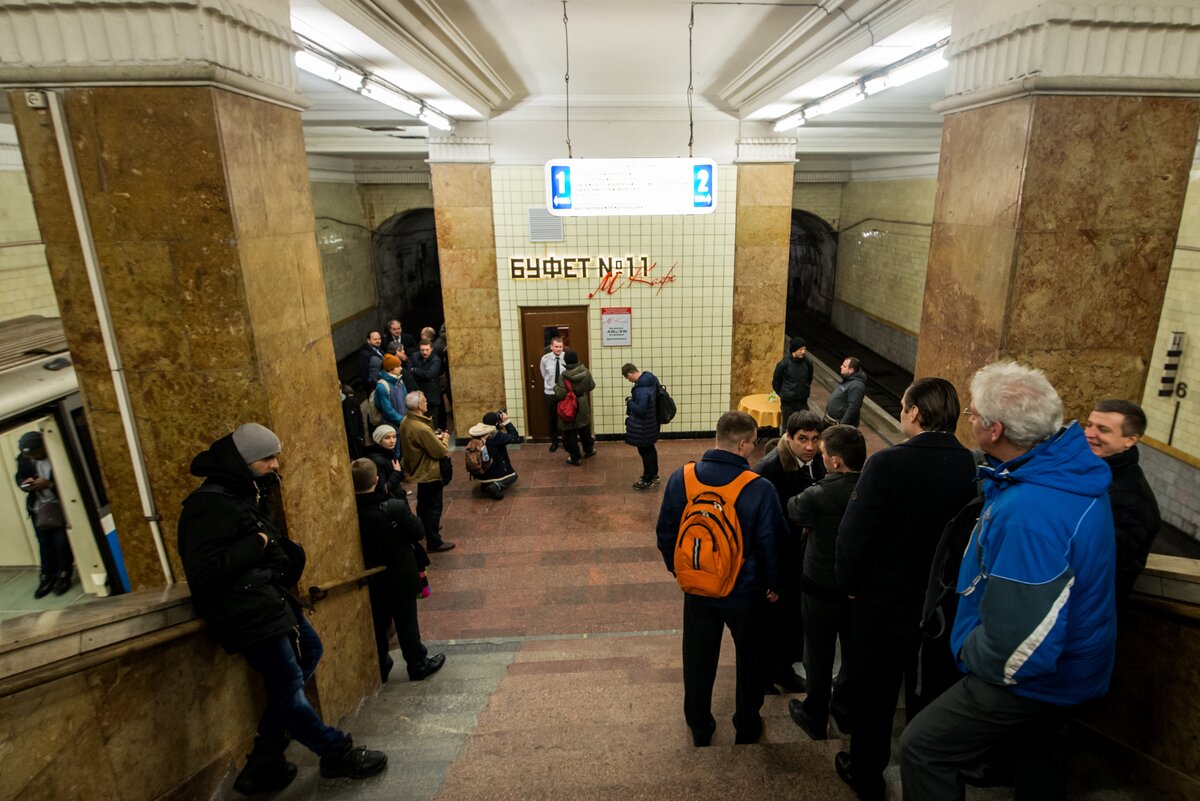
(432, 665)
(571, 460)
(553, 447)
(589, 454)
(643, 484)
(441, 546)
(264, 774)
(45, 584)
(355, 763)
(63, 583)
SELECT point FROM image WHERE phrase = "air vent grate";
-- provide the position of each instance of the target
(544, 226)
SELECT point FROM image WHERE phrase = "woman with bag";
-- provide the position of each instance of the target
(575, 381)
(35, 476)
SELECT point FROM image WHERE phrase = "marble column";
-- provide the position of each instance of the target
(1058, 201)
(199, 206)
(765, 178)
(462, 206)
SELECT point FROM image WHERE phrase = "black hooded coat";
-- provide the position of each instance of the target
(240, 587)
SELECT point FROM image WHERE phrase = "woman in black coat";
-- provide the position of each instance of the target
(641, 422)
(387, 460)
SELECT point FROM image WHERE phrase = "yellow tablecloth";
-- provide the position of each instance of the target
(766, 413)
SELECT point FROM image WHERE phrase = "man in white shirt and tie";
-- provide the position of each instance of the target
(552, 367)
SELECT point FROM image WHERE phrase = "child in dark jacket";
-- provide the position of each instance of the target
(824, 608)
(391, 536)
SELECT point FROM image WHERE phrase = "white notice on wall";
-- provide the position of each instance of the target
(600, 187)
(616, 326)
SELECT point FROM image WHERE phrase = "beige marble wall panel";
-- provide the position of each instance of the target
(462, 185)
(981, 168)
(211, 308)
(43, 171)
(131, 729)
(1114, 270)
(768, 226)
(464, 227)
(75, 304)
(1117, 163)
(468, 268)
(129, 142)
(268, 187)
(765, 184)
(763, 228)
(760, 264)
(462, 195)
(349, 669)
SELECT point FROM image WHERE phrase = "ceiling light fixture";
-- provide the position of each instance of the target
(925, 61)
(323, 65)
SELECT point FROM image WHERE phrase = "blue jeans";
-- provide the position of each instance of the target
(286, 662)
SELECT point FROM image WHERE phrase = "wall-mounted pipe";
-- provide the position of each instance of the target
(107, 332)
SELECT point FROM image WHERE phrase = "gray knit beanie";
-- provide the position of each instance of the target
(380, 432)
(254, 442)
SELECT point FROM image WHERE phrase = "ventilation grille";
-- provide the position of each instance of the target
(544, 226)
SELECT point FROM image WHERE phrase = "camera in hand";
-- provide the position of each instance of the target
(503, 410)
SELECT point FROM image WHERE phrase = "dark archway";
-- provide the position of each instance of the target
(812, 267)
(407, 274)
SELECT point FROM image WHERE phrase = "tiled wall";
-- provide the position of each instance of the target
(823, 200)
(24, 277)
(345, 245)
(1181, 312)
(344, 241)
(381, 201)
(883, 248)
(681, 332)
(1176, 482)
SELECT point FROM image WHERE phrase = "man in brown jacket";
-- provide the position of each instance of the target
(423, 449)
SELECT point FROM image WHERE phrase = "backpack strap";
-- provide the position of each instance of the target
(692, 485)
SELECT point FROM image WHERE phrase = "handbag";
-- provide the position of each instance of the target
(568, 407)
(49, 515)
(447, 467)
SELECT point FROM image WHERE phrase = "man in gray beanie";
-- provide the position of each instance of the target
(241, 568)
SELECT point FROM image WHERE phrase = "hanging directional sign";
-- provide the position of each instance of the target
(605, 187)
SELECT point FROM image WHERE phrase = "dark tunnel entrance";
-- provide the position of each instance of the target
(407, 272)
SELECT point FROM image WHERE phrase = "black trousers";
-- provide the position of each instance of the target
(826, 620)
(429, 509)
(786, 408)
(552, 416)
(703, 627)
(401, 612)
(883, 656)
(571, 438)
(649, 454)
(54, 550)
(784, 645)
(960, 727)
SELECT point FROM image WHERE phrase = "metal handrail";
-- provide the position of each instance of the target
(319, 592)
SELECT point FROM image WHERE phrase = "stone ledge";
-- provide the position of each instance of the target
(39, 639)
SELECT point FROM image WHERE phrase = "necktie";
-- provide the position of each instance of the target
(557, 367)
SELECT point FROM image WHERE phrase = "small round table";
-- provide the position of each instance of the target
(765, 413)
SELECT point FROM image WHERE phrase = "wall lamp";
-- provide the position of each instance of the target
(921, 63)
(372, 86)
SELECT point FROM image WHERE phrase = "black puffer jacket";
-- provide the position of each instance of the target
(641, 412)
(239, 585)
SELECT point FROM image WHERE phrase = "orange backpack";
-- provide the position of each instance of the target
(708, 550)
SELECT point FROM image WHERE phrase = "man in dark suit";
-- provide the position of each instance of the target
(904, 498)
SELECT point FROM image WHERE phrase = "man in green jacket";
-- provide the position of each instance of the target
(422, 449)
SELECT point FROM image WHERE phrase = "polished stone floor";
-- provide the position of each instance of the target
(562, 681)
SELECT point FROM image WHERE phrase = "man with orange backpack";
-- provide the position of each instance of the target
(719, 529)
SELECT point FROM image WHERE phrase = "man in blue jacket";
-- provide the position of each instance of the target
(762, 525)
(1036, 624)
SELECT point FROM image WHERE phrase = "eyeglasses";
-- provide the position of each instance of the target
(968, 413)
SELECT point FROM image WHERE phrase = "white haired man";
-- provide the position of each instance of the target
(1035, 630)
(422, 449)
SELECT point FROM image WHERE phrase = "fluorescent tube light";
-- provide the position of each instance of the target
(436, 119)
(926, 65)
(317, 66)
(789, 122)
(846, 97)
(387, 97)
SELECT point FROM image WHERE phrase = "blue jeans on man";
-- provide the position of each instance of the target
(286, 662)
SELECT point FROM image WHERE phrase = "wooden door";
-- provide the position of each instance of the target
(539, 324)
